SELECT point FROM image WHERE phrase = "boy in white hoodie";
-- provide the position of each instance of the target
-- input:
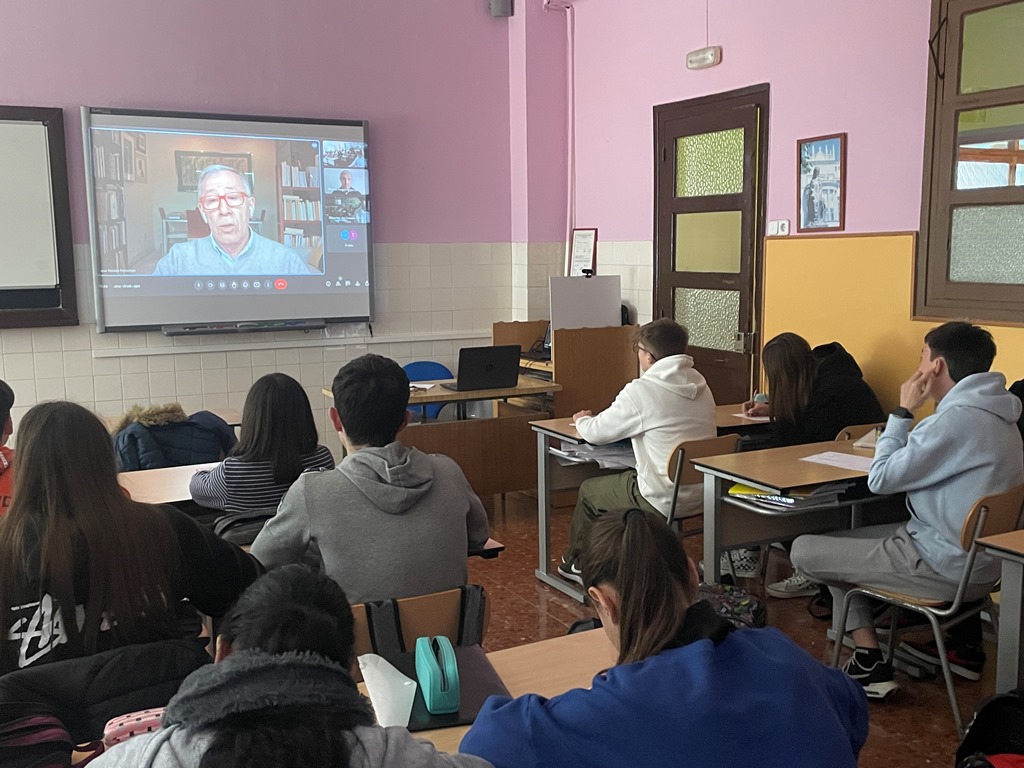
(669, 402)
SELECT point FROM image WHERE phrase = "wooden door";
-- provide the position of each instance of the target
(710, 158)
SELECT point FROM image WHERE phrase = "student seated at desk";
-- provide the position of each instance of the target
(82, 567)
(6, 454)
(668, 403)
(281, 693)
(278, 443)
(970, 447)
(815, 393)
(688, 688)
(389, 521)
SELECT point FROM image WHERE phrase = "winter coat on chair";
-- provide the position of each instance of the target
(164, 436)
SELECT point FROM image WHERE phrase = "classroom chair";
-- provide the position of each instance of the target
(427, 370)
(990, 515)
(390, 627)
(682, 471)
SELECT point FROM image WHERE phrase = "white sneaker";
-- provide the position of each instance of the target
(795, 586)
(746, 563)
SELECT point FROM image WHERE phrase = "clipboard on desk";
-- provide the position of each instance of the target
(477, 680)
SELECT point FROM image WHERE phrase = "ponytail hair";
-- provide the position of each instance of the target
(637, 554)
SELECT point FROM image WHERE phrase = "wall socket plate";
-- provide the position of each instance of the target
(773, 227)
(783, 226)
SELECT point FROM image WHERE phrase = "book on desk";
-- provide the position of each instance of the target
(795, 498)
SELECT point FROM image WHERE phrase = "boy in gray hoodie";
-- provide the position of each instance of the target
(970, 447)
(389, 521)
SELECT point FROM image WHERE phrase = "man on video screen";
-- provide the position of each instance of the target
(226, 203)
(346, 203)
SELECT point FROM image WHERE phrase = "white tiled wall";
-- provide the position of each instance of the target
(431, 299)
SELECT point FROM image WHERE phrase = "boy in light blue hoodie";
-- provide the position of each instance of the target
(970, 447)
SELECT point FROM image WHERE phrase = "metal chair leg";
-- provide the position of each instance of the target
(940, 645)
(840, 629)
(890, 649)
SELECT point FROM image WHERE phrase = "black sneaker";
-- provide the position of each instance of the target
(966, 662)
(570, 571)
(874, 675)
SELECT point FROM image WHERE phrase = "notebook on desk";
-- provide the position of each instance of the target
(487, 368)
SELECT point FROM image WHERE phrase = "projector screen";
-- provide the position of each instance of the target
(209, 223)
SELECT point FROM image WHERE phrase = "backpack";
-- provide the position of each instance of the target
(997, 728)
(242, 528)
(733, 604)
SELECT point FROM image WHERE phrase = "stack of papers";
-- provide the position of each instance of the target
(614, 456)
(797, 498)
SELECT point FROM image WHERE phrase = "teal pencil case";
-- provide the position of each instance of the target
(438, 674)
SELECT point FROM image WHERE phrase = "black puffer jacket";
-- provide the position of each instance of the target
(839, 398)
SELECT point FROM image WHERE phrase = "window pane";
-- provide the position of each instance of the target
(708, 242)
(991, 49)
(989, 147)
(710, 164)
(711, 316)
(987, 245)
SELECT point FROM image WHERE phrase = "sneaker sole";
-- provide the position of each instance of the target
(783, 595)
(956, 669)
(879, 691)
(570, 576)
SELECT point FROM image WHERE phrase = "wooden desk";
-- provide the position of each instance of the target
(170, 485)
(733, 523)
(496, 454)
(552, 476)
(230, 415)
(161, 486)
(1009, 653)
(547, 668)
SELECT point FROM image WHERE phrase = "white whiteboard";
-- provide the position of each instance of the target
(585, 302)
(28, 255)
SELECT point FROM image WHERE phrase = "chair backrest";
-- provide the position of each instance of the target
(857, 431)
(680, 462)
(162, 214)
(388, 627)
(426, 370)
(197, 227)
(990, 515)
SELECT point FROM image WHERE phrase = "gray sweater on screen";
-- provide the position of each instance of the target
(387, 522)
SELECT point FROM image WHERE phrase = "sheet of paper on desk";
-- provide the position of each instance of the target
(614, 456)
(842, 460)
(416, 385)
(751, 418)
(391, 692)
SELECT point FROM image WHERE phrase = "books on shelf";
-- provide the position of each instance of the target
(296, 208)
(795, 498)
(297, 238)
(297, 176)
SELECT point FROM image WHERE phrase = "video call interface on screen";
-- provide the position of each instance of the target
(187, 207)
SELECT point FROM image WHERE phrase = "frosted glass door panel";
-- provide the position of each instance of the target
(708, 242)
(711, 316)
(710, 164)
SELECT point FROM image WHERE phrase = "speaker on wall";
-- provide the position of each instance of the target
(502, 7)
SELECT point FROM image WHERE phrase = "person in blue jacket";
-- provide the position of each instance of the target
(688, 688)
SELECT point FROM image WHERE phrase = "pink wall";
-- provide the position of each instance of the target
(431, 78)
(858, 67)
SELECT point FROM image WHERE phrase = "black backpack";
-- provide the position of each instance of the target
(997, 728)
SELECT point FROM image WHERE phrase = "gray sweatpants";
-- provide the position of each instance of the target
(882, 556)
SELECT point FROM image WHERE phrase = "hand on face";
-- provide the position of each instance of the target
(916, 390)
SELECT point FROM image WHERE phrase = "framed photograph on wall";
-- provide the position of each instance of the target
(582, 253)
(821, 183)
(190, 164)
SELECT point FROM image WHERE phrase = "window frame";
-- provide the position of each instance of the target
(935, 296)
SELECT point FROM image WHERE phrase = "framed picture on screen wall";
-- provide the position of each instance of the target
(581, 259)
(821, 183)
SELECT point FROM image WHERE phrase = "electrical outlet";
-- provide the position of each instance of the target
(783, 226)
(773, 227)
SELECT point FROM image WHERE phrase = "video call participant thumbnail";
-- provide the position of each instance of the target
(227, 204)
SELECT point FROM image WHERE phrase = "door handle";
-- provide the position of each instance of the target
(744, 343)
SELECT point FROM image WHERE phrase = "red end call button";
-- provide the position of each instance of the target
(280, 284)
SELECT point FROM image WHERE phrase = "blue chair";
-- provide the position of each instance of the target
(428, 370)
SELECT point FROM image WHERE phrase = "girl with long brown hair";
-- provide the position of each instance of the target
(84, 568)
(688, 688)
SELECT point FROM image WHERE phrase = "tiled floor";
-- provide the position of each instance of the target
(913, 728)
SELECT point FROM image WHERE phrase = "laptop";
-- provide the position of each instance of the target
(541, 350)
(487, 368)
